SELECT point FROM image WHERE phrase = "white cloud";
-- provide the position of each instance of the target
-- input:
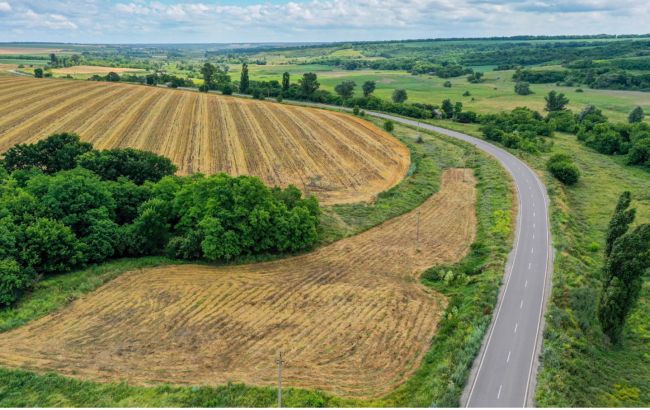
(31, 19)
(316, 20)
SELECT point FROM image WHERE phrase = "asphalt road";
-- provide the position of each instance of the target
(504, 372)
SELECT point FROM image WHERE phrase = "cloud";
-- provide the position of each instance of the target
(30, 19)
(315, 20)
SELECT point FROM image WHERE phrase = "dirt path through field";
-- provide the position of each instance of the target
(351, 317)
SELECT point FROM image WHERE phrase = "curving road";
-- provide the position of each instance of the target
(504, 371)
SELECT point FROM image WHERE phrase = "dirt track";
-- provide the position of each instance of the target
(351, 317)
(337, 157)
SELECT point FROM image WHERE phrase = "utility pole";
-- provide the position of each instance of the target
(417, 230)
(280, 363)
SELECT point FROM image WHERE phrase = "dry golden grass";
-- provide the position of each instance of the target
(92, 69)
(352, 317)
(339, 158)
(27, 50)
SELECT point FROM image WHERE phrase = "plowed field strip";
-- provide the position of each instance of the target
(42, 123)
(350, 317)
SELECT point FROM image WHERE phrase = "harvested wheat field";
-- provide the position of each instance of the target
(27, 50)
(351, 317)
(93, 69)
(337, 157)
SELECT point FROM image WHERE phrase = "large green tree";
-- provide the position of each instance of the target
(208, 72)
(636, 115)
(620, 221)
(622, 280)
(345, 89)
(308, 84)
(244, 82)
(368, 88)
(399, 95)
(286, 81)
(555, 101)
(447, 108)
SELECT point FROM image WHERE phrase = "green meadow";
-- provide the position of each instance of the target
(494, 94)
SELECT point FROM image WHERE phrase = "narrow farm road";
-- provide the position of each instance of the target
(505, 370)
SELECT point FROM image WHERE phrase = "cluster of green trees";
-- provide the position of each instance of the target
(475, 77)
(563, 168)
(598, 78)
(64, 61)
(307, 88)
(540, 76)
(565, 52)
(64, 205)
(425, 65)
(522, 128)
(155, 78)
(216, 77)
(627, 260)
(632, 139)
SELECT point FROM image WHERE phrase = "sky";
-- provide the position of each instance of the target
(245, 21)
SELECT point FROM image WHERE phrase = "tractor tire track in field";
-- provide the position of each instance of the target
(351, 317)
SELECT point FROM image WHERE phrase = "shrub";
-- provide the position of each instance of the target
(227, 89)
(563, 121)
(399, 95)
(466, 117)
(389, 126)
(522, 88)
(563, 168)
(14, 280)
(49, 247)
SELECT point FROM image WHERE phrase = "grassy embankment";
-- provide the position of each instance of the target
(444, 369)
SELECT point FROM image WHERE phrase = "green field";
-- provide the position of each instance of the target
(495, 94)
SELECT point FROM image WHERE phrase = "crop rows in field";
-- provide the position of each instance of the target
(351, 317)
(337, 157)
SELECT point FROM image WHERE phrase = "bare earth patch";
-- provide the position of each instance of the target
(339, 158)
(351, 318)
(91, 69)
(27, 51)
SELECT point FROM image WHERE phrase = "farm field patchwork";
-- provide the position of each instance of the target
(90, 69)
(27, 50)
(339, 158)
(351, 317)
